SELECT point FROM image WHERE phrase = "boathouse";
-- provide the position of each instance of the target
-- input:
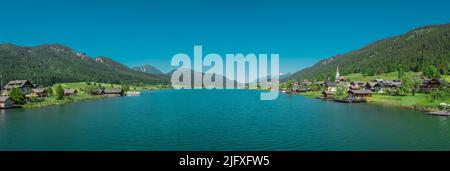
(327, 94)
(6, 102)
(114, 92)
(358, 94)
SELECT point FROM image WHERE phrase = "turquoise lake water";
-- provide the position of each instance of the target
(220, 120)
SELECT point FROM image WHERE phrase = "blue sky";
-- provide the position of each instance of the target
(150, 32)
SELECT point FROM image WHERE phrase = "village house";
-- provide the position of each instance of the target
(24, 85)
(39, 92)
(370, 85)
(305, 83)
(6, 102)
(300, 90)
(377, 80)
(357, 83)
(358, 95)
(70, 92)
(114, 92)
(327, 94)
(320, 83)
(330, 86)
(430, 85)
(97, 92)
(386, 85)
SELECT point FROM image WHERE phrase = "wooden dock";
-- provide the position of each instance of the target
(440, 113)
(349, 101)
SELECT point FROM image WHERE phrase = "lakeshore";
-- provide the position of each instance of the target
(76, 92)
(411, 90)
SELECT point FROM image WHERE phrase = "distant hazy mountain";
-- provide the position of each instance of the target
(55, 63)
(412, 51)
(148, 69)
(225, 79)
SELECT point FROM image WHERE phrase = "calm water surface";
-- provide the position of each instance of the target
(220, 120)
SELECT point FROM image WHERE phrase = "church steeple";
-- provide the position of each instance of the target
(337, 73)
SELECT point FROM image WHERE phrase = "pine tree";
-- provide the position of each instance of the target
(59, 92)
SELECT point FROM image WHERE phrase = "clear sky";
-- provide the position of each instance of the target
(148, 32)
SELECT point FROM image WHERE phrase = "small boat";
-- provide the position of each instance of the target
(133, 93)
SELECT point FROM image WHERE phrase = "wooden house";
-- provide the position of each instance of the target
(328, 94)
(39, 92)
(331, 86)
(386, 86)
(6, 102)
(430, 85)
(24, 85)
(114, 92)
(70, 92)
(357, 83)
(320, 83)
(359, 94)
(300, 90)
(97, 91)
(370, 85)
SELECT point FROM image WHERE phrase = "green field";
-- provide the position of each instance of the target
(311, 94)
(420, 101)
(446, 78)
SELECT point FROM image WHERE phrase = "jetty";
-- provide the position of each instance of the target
(440, 113)
(133, 93)
(350, 101)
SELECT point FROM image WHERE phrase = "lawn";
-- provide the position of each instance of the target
(446, 78)
(419, 101)
(311, 94)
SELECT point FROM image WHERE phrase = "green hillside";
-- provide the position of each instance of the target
(413, 51)
(54, 63)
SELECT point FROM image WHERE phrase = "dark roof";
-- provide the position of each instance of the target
(113, 91)
(98, 91)
(3, 99)
(39, 90)
(357, 82)
(17, 83)
(70, 91)
(371, 83)
(436, 80)
(377, 80)
(360, 91)
(330, 84)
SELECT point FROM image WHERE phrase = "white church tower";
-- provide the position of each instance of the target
(337, 74)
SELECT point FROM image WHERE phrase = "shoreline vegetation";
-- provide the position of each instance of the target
(82, 95)
(410, 96)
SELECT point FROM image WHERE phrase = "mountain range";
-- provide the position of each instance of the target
(412, 51)
(55, 63)
(148, 69)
